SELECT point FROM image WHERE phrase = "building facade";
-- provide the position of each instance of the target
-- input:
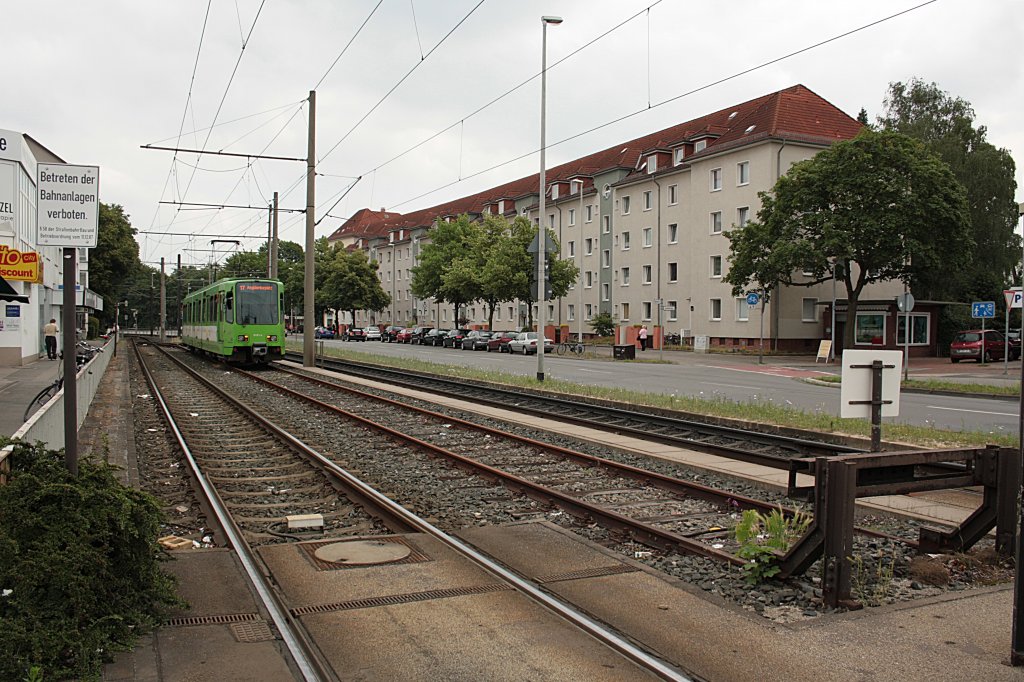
(645, 222)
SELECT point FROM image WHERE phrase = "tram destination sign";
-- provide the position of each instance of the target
(68, 206)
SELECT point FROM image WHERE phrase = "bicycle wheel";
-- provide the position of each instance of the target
(578, 349)
(44, 396)
(561, 348)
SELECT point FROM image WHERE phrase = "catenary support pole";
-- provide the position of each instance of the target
(70, 325)
(307, 290)
(273, 243)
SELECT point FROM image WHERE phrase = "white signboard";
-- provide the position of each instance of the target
(700, 344)
(1013, 298)
(68, 212)
(7, 193)
(856, 384)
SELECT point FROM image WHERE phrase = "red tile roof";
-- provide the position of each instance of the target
(795, 113)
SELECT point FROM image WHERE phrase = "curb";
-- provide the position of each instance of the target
(926, 391)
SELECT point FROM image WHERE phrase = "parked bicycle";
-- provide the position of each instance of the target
(83, 354)
(574, 347)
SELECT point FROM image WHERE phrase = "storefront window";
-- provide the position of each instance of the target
(870, 329)
(918, 330)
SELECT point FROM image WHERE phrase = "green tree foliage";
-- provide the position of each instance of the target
(603, 324)
(865, 204)
(448, 262)
(115, 258)
(245, 264)
(80, 558)
(350, 282)
(945, 125)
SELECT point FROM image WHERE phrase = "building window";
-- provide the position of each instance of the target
(742, 215)
(551, 220)
(590, 212)
(570, 249)
(673, 272)
(588, 246)
(743, 173)
(572, 217)
(589, 279)
(647, 274)
(716, 179)
(742, 309)
(671, 310)
(647, 201)
(918, 329)
(551, 312)
(625, 241)
(809, 310)
(699, 146)
(679, 154)
(625, 311)
(606, 292)
(716, 309)
(673, 233)
(716, 222)
(554, 192)
(590, 310)
(606, 258)
(625, 277)
(648, 233)
(570, 312)
(716, 266)
(672, 195)
(647, 310)
(625, 205)
(607, 226)
(511, 314)
(652, 163)
(870, 329)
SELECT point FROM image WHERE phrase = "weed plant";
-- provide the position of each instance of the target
(762, 537)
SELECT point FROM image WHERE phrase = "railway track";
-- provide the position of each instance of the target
(778, 451)
(256, 472)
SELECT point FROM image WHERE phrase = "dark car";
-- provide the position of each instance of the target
(1013, 339)
(390, 332)
(404, 335)
(435, 337)
(499, 341)
(454, 338)
(476, 340)
(418, 333)
(976, 344)
(323, 333)
(353, 334)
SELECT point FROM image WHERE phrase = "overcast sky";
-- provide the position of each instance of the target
(95, 81)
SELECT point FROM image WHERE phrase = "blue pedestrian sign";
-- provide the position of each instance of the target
(983, 309)
(753, 297)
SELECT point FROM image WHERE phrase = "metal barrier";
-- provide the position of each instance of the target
(47, 424)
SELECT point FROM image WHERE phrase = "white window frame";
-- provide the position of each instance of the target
(652, 164)
(742, 216)
(589, 310)
(588, 246)
(673, 195)
(625, 311)
(571, 249)
(856, 335)
(606, 258)
(712, 304)
(606, 292)
(648, 237)
(814, 309)
(901, 322)
(716, 179)
(607, 226)
(716, 222)
(673, 233)
(742, 309)
(624, 277)
(645, 311)
(648, 201)
(672, 310)
(742, 173)
(699, 146)
(572, 217)
(625, 240)
(624, 203)
(590, 213)
(715, 260)
(647, 272)
(570, 312)
(589, 279)
(679, 155)
(673, 276)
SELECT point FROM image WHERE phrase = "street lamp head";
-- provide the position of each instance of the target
(551, 20)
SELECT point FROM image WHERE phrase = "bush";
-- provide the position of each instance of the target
(80, 567)
(603, 324)
(94, 327)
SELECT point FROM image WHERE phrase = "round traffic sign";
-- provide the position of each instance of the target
(753, 297)
(905, 303)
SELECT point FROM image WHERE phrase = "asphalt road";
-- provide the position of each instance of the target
(739, 379)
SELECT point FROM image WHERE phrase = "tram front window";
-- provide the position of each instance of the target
(256, 303)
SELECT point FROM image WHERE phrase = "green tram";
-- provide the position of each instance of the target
(237, 320)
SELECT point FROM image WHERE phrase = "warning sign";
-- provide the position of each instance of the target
(68, 208)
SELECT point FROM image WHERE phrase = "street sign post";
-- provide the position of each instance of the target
(984, 310)
(68, 216)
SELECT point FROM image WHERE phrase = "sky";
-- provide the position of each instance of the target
(408, 113)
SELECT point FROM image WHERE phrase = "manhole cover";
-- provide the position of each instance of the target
(362, 552)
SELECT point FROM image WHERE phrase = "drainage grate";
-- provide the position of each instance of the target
(213, 620)
(394, 599)
(257, 631)
(587, 573)
(310, 549)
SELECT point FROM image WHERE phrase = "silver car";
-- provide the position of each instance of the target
(372, 333)
(526, 343)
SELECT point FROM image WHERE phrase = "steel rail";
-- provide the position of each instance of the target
(595, 629)
(299, 649)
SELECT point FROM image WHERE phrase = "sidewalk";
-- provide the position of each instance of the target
(19, 385)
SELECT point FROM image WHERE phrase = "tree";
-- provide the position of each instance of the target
(448, 266)
(351, 283)
(603, 324)
(115, 259)
(945, 125)
(880, 207)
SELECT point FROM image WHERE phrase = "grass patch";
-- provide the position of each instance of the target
(1012, 389)
(762, 412)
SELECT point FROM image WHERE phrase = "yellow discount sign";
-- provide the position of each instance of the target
(20, 266)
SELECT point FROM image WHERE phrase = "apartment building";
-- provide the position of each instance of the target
(645, 222)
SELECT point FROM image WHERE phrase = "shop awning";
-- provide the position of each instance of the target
(7, 293)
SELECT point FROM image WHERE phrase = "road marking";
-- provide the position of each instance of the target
(957, 409)
(594, 371)
(715, 383)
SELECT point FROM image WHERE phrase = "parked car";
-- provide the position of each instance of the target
(418, 333)
(499, 341)
(372, 334)
(975, 344)
(476, 340)
(454, 338)
(435, 337)
(1013, 339)
(323, 333)
(353, 334)
(526, 343)
(404, 335)
(390, 332)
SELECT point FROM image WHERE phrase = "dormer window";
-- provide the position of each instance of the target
(554, 192)
(652, 163)
(699, 145)
(679, 155)
(501, 207)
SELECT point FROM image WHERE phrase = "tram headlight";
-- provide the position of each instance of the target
(243, 338)
(271, 337)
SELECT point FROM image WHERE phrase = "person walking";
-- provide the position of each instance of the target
(643, 337)
(50, 333)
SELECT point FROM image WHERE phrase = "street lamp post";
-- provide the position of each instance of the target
(1017, 635)
(542, 234)
(579, 256)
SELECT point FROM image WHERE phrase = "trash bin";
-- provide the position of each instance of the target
(624, 352)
